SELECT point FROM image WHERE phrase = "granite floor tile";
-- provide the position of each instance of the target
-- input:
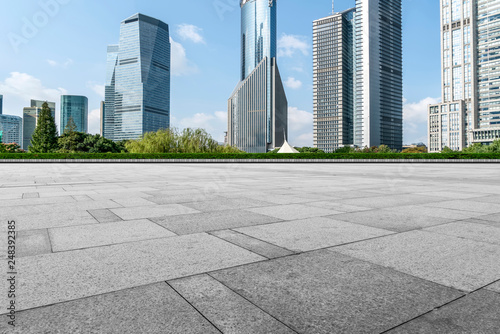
(83, 273)
(86, 236)
(148, 211)
(44, 220)
(105, 216)
(476, 313)
(459, 263)
(392, 201)
(494, 287)
(336, 206)
(293, 212)
(180, 199)
(312, 233)
(228, 311)
(130, 202)
(212, 221)
(471, 231)
(226, 204)
(435, 212)
(391, 220)
(31, 243)
(252, 244)
(471, 206)
(323, 292)
(147, 309)
(494, 219)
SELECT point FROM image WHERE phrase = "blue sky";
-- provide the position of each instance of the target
(54, 47)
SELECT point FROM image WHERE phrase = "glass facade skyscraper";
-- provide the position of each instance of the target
(333, 64)
(30, 119)
(470, 108)
(76, 107)
(378, 115)
(258, 108)
(1, 104)
(358, 77)
(11, 129)
(138, 80)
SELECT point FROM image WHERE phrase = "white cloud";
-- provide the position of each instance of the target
(293, 83)
(288, 45)
(97, 88)
(63, 65)
(190, 32)
(19, 88)
(181, 65)
(94, 121)
(215, 124)
(416, 119)
(300, 127)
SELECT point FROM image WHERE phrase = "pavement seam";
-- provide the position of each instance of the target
(252, 251)
(252, 303)
(466, 294)
(194, 307)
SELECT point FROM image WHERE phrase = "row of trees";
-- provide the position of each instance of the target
(46, 140)
(174, 141)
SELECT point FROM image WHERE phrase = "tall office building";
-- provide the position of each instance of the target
(30, 119)
(11, 129)
(76, 107)
(470, 108)
(137, 95)
(1, 104)
(378, 116)
(258, 108)
(333, 57)
(358, 76)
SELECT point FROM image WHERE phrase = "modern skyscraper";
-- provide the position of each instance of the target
(258, 108)
(76, 107)
(11, 129)
(470, 108)
(1, 104)
(358, 76)
(333, 57)
(378, 116)
(30, 119)
(138, 80)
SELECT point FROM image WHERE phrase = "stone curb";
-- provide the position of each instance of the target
(259, 161)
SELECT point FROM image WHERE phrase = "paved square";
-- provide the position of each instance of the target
(252, 248)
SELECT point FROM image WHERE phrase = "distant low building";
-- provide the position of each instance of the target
(11, 129)
(77, 108)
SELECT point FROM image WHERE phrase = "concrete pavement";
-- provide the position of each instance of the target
(249, 248)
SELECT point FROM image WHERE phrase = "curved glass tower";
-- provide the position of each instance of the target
(257, 110)
(76, 107)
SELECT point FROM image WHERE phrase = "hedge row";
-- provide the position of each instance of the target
(127, 156)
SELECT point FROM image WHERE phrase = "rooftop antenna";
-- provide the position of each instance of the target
(333, 7)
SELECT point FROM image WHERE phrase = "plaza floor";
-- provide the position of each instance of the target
(249, 248)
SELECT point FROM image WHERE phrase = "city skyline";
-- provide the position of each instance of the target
(203, 51)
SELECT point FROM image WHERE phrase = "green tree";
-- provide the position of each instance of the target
(173, 141)
(447, 150)
(71, 126)
(44, 139)
(309, 150)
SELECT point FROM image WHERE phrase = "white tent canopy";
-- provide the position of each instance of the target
(287, 148)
